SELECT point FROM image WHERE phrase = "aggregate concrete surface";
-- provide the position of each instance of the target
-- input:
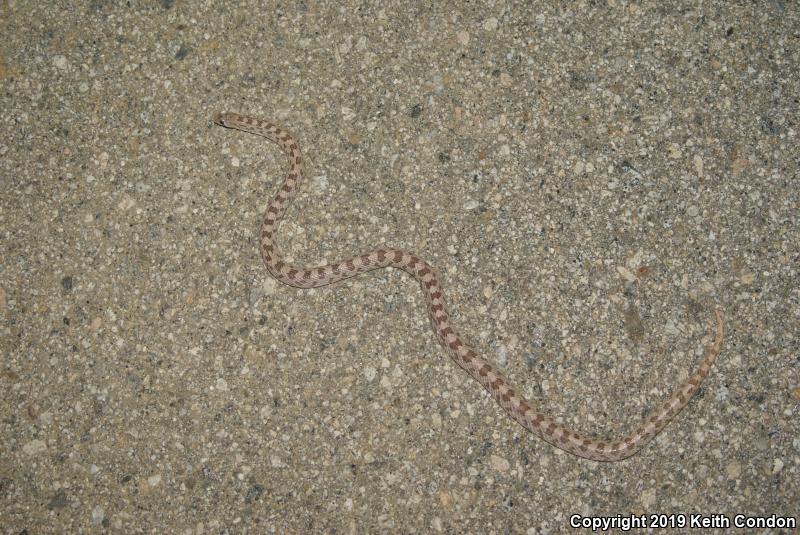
(591, 179)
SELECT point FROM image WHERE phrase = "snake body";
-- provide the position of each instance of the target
(481, 370)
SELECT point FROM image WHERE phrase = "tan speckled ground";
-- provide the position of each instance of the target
(591, 180)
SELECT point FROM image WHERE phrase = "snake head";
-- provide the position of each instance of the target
(220, 118)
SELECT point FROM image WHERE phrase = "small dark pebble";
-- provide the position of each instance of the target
(253, 493)
(58, 501)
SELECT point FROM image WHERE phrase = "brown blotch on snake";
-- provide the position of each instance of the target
(513, 403)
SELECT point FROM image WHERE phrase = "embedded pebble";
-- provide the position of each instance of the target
(747, 277)
(648, 498)
(698, 165)
(501, 356)
(499, 463)
(490, 24)
(436, 420)
(777, 466)
(34, 446)
(733, 470)
(370, 373)
(386, 382)
(626, 274)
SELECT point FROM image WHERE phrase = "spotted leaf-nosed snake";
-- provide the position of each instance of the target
(482, 371)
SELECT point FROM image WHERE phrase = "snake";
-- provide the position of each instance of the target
(483, 371)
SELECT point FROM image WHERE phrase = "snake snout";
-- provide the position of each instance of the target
(218, 118)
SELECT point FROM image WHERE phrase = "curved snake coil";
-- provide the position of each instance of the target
(482, 371)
